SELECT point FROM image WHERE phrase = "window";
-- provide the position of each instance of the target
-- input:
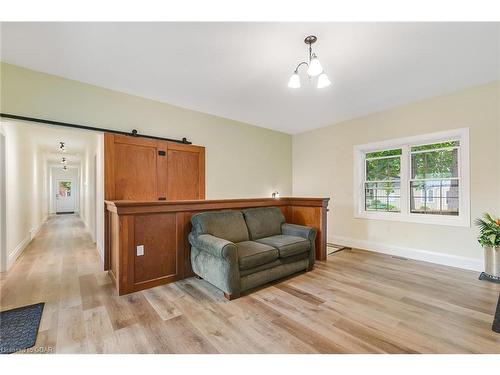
(434, 168)
(418, 179)
(383, 180)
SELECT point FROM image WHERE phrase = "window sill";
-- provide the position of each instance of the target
(455, 221)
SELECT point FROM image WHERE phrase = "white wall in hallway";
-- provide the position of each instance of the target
(92, 189)
(25, 209)
(99, 199)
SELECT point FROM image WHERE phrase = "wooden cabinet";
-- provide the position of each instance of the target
(143, 169)
(147, 169)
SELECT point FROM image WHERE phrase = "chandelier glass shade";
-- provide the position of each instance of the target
(314, 69)
(294, 81)
(323, 81)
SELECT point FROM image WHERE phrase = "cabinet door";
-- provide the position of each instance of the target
(135, 171)
(186, 172)
(130, 168)
(157, 234)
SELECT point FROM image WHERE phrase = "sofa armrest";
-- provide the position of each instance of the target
(216, 246)
(308, 233)
(299, 231)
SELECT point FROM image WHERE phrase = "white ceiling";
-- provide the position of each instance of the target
(46, 138)
(240, 70)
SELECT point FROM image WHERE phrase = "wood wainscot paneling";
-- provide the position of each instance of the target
(162, 227)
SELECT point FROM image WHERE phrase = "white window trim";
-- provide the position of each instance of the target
(462, 220)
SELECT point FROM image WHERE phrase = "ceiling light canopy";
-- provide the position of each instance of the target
(314, 68)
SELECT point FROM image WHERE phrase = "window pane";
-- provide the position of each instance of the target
(436, 145)
(383, 169)
(383, 196)
(425, 191)
(394, 204)
(378, 154)
(434, 164)
(418, 166)
(449, 189)
(437, 197)
(450, 206)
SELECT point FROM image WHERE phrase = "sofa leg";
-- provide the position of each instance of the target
(231, 296)
(309, 268)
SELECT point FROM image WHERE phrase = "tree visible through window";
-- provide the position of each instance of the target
(434, 180)
(383, 181)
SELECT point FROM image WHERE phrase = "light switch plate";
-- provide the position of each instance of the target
(140, 250)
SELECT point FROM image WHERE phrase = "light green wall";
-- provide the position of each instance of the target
(323, 166)
(241, 160)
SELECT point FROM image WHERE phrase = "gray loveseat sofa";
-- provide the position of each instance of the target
(240, 250)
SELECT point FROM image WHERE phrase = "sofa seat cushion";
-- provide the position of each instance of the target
(253, 254)
(276, 263)
(287, 245)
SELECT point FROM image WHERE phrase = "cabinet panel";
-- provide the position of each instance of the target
(157, 233)
(183, 182)
(135, 172)
(186, 172)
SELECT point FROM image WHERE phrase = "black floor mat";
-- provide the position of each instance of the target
(19, 327)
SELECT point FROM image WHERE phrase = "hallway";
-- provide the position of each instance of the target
(49, 271)
(357, 302)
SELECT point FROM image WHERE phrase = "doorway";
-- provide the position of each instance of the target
(65, 197)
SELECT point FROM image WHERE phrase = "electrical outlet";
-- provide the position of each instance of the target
(140, 250)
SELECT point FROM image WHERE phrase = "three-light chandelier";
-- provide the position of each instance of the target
(314, 68)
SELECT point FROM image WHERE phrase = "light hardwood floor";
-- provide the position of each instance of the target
(356, 302)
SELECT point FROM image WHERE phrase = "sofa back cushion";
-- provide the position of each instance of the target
(229, 225)
(263, 221)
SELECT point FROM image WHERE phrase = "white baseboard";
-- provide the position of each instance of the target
(12, 257)
(87, 227)
(34, 231)
(100, 250)
(411, 253)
